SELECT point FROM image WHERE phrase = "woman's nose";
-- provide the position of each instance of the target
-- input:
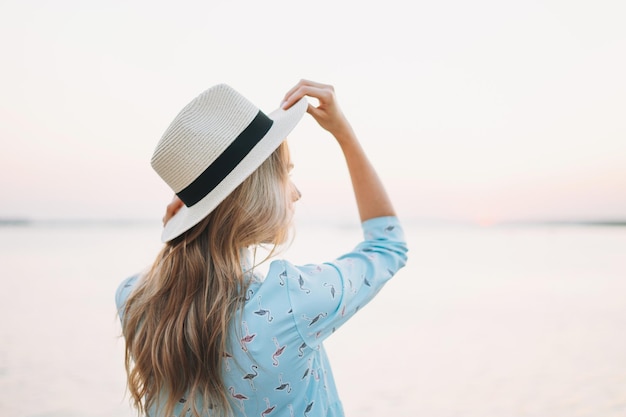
(296, 194)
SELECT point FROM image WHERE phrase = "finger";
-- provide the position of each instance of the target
(304, 87)
(295, 95)
(304, 82)
(323, 94)
(311, 109)
(175, 205)
(292, 90)
(172, 208)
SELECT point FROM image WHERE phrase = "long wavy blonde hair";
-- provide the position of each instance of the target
(175, 322)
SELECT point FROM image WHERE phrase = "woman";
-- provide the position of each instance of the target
(205, 334)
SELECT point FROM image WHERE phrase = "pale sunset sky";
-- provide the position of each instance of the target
(471, 110)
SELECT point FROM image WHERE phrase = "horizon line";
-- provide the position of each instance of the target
(84, 221)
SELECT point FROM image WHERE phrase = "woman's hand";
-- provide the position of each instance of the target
(327, 113)
(172, 209)
(371, 197)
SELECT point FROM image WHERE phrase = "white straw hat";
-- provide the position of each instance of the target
(212, 146)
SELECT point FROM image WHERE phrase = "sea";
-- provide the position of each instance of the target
(500, 321)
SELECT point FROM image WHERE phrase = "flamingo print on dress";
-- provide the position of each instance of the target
(301, 350)
(307, 370)
(353, 290)
(269, 409)
(301, 283)
(283, 385)
(247, 338)
(239, 397)
(250, 377)
(315, 319)
(279, 351)
(264, 312)
(366, 282)
(282, 278)
(308, 408)
(227, 356)
(183, 401)
(332, 289)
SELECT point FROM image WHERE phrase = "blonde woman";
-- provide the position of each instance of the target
(206, 335)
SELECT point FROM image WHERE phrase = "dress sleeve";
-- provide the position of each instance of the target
(325, 296)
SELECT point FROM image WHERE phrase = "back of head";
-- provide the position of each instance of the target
(217, 141)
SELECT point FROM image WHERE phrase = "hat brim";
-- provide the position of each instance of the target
(283, 123)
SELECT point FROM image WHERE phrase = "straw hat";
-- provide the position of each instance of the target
(212, 146)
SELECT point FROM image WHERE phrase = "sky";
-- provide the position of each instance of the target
(480, 111)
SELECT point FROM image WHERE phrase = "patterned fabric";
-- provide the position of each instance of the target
(276, 365)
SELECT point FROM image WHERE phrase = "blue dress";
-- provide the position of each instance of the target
(276, 364)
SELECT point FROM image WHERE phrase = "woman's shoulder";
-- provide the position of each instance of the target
(124, 290)
(282, 269)
(378, 232)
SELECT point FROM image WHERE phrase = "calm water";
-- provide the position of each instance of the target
(482, 322)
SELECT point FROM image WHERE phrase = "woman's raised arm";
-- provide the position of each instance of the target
(371, 197)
